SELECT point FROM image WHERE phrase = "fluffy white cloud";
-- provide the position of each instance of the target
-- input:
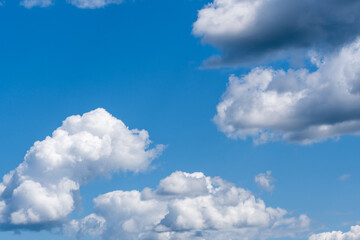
(251, 30)
(226, 17)
(41, 191)
(295, 105)
(36, 3)
(265, 181)
(353, 234)
(187, 206)
(93, 3)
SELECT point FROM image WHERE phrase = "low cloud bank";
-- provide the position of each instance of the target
(186, 206)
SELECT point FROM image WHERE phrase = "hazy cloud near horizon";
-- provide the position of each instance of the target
(352, 234)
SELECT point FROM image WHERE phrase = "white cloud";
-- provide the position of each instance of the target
(187, 206)
(226, 17)
(265, 181)
(295, 105)
(353, 234)
(251, 30)
(36, 3)
(92, 4)
(41, 191)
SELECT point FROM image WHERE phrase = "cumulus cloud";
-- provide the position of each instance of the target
(265, 181)
(252, 30)
(353, 234)
(295, 105)
(186, 206)
(36, 3)
(92, 4)
(42, 190)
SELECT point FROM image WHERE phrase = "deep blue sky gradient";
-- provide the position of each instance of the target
(139, 61)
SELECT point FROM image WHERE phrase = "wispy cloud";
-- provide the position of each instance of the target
(36, 3)
(265, 181)
(92, 4)
(344, 177)
(85, 4)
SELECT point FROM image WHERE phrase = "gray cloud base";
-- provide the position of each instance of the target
(254, 31)
(295, 105)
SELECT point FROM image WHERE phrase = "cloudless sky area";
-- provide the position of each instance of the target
(140, 61)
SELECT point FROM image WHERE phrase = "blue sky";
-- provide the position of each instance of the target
(141, 62)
